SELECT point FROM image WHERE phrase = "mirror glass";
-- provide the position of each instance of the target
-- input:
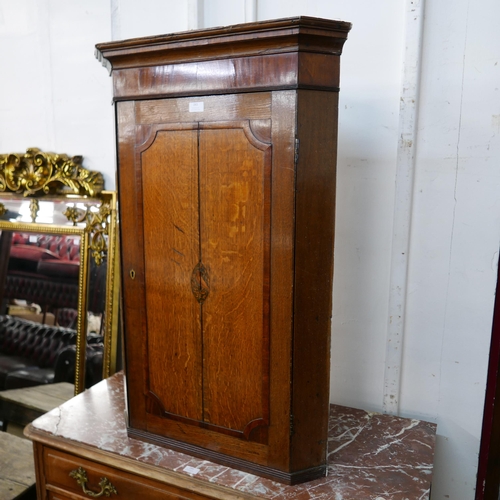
(58, 296)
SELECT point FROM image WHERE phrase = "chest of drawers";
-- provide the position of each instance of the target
(82, 448)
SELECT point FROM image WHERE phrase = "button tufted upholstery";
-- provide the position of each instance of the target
(42, 290)
(29, 353)
(44, 269)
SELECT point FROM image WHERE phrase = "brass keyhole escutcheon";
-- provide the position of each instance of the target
(132, 274)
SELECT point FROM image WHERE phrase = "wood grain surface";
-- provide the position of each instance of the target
(171, 251)
(234, 192)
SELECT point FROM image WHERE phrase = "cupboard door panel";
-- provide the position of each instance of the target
(171, 251)
(234, 234)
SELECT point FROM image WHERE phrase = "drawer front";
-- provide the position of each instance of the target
(59, 483)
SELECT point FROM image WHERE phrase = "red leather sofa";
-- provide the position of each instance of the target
(43, 269)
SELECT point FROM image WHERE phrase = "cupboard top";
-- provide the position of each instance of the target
(242, 39)
(299, 52)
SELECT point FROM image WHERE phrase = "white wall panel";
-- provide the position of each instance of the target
(455, 238)
(368, 127)
(23, 108)
(223, 13)
(56, 96)
(83, 115)
(132, 18)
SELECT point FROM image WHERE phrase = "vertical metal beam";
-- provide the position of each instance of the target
(115, 20)
(403, 204)
(195, 14)
(250, 11)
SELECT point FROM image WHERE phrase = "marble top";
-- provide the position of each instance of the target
(371, 455)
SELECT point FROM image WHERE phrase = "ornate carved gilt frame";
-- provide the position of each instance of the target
(43, 176)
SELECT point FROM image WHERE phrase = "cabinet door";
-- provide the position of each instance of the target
(234, 240)
(203, 189)
(168, 165)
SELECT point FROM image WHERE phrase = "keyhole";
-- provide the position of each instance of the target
(132, 274)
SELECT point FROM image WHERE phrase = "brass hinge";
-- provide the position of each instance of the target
(292, 430)
(296, 152)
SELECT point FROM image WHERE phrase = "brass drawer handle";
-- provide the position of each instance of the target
(81, 478)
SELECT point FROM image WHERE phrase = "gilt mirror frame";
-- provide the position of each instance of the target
(91, 214)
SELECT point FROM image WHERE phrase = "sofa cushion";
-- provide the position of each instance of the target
(65, 363)
(28, 351)
(34, 352)
(31, 252)
(29, 377)
(9, 364)
(59, 268)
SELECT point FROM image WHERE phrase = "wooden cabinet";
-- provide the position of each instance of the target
(226, 163)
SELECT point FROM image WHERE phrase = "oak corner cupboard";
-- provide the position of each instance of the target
(226, 167)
